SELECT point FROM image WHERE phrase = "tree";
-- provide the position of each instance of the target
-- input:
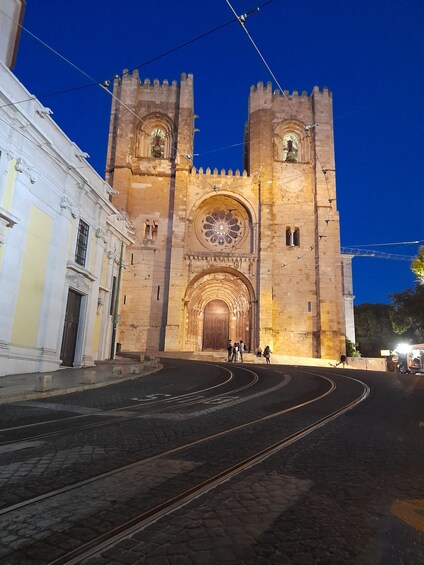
(351, 350)
(408, 312)
(374, 329)
(417, 266)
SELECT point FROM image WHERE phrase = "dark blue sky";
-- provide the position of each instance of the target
(369, 53)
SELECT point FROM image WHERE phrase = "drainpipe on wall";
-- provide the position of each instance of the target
(116, 317)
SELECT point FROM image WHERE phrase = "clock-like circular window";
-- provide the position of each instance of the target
(222, 228)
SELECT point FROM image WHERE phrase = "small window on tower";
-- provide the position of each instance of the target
(292, 237)
(157, 143)
(155, 228)
(289, 236)
(296, 237)
(147, 230)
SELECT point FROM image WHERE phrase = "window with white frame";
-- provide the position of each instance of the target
(82, 243)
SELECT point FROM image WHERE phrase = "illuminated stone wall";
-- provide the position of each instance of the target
(264, 240)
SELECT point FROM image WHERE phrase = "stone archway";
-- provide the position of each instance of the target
(216, 287)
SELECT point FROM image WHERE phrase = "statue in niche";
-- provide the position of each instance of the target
(290, 148)
(157, 143)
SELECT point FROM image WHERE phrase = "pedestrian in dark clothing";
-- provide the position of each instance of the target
(267, 354)
(342, 360)
(229, 349)
(235, 352)
(241, 347)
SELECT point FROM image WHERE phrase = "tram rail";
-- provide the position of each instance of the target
(108, 539)
(186, 399)
(227, 469)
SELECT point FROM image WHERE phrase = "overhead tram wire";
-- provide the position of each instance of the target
(178, 47)
(104, 85)
(193, 40)
(50, 94)
(242, 19)
(94, 82)
(39, 146)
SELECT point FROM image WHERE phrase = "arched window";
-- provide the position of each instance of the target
(290, 147)
(157, 143)
(156, 137)
(155, 229)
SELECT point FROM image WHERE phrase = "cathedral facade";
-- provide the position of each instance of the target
(252, 254)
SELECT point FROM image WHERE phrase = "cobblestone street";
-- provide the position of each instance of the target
(335, 496)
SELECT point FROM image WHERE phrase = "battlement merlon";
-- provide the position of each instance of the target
(222, 175)
(186, 95)
(290, 103)
(130, 89)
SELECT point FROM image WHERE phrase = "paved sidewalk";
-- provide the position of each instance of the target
(32, 385)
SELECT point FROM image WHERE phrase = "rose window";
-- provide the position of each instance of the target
(221, 228)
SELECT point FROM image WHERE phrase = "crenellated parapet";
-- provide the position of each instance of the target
(147, 83)
(267, 90)
(133, 89)
(264, 98)
(223, 174)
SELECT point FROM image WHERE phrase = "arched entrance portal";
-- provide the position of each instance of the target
(218, 307)
(215, 325)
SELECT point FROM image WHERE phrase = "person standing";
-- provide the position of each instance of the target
(267, 354)
(229, 349)
(235, 352)
(241, 347)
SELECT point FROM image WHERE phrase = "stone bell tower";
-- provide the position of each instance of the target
(290, 150)
(151, 133)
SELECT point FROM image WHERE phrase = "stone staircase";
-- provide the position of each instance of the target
(215, 356)
(221, 357)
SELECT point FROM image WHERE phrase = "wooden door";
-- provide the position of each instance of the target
(70, 328)
(216, 325)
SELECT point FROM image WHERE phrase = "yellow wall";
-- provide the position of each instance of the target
(104, 271)
(92, 250)
(96, 336)
(7, 196)
(33, 278)
(6, 200)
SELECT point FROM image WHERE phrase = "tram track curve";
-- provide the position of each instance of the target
(38, 504)
(154, 406)
(108, 539)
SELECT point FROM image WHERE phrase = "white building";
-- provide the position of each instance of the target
(62, 242)
(348, 296)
